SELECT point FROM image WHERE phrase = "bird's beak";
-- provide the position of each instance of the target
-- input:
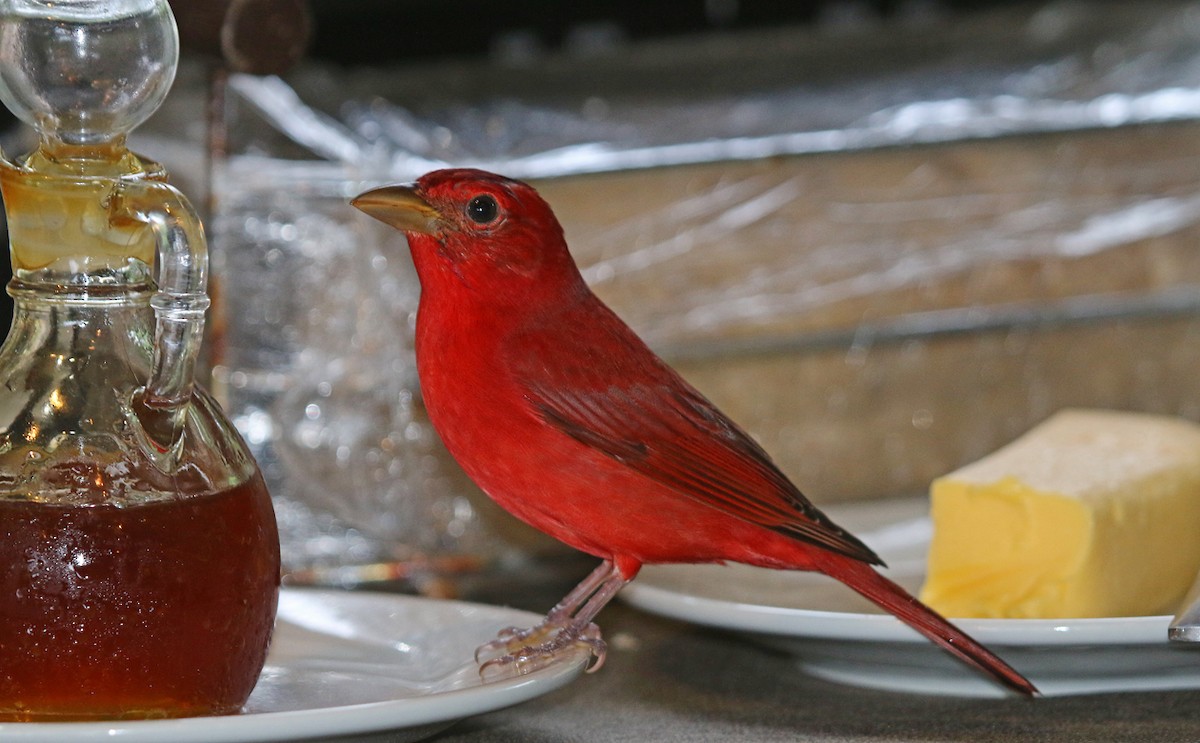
(401, 207)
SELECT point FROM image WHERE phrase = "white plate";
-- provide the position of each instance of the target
(348, 663)
(837, 635)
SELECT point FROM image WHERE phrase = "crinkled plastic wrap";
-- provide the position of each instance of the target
(884, 250)
(1067, 66)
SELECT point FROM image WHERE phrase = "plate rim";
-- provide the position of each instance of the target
(864, 518)
(810, 623)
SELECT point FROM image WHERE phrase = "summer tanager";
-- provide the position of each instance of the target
(563, 416)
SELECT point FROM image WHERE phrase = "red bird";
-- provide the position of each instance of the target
(561, 414)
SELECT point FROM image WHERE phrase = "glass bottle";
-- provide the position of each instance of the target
(139, 559)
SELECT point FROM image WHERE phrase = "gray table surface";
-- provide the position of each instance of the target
(674, 682)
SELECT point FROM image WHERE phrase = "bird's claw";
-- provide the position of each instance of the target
(511, 640)
(524, 654)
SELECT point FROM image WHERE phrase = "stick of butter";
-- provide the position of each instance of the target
(1090, 514)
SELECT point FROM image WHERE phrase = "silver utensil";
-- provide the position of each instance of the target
(1185, 627)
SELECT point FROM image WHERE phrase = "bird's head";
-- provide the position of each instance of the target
(475, 225)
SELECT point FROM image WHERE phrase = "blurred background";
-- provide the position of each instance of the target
(380, 31)
(886, 236)
(386, 32)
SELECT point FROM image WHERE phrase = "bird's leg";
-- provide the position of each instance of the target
(511, 639)
(567, 625)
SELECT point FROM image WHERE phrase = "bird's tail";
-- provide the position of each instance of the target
(897, 601)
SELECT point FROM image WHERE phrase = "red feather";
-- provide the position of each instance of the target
(610, 392)
(561, 414)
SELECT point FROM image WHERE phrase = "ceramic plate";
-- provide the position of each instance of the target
(347, 663)
(837, 635)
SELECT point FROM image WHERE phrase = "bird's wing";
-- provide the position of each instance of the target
(648, 418)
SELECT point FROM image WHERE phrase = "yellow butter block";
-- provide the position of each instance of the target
(1092, 513)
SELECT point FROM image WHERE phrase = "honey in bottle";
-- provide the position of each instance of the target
(139, 558)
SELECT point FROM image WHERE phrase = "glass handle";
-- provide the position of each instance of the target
(179, 304)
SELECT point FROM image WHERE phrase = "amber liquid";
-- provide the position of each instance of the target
(157, 610)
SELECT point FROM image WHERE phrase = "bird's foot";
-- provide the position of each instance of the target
(517, 652)
(512, 639)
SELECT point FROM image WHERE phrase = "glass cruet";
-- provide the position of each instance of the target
(139, 549)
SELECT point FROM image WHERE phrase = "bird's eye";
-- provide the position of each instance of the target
(482, 209)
